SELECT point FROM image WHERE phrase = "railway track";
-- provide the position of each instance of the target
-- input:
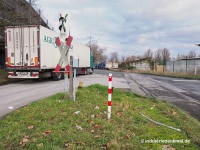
(167, 92)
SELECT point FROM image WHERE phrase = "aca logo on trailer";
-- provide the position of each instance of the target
(50, 40)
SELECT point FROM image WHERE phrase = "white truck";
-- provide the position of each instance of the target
(31, 52)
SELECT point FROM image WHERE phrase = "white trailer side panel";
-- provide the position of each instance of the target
(82, 52)
(49, 52)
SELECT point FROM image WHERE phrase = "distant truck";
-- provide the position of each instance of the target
(31, 52)
(106, 65)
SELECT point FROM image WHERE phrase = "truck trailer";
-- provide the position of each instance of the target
(32, 53)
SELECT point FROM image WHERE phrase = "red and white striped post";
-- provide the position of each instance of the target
(109, 94)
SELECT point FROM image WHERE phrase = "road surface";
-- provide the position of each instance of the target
(181, 92)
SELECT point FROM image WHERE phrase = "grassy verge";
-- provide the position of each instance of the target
(4, 78)
(175, 75)
(54, 123)
(167, 74)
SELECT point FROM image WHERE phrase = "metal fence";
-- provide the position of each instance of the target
(184, 66)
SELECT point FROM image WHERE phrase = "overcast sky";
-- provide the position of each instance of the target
(130, 27)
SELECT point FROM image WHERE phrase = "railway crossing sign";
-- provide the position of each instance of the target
(64, 49)
(64, 44)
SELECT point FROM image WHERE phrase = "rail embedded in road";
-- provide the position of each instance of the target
(167, 92)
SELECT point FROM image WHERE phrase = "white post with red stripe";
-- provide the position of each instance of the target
(109, 94)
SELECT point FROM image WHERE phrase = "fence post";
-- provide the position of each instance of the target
(186, 65)
(195, 67)
(109, 94)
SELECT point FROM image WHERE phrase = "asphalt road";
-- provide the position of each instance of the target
(16, 95)
(183, 93)
(106, 72)
(191, 86)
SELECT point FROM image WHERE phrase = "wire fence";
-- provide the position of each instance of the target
(184, 66)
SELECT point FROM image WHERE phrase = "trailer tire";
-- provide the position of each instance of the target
(91, 71)
(62, 75)
(56, 76)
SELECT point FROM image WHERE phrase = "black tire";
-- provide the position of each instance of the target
(62, 75)
(57, 76)
(91, 71)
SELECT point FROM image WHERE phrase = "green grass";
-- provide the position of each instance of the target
(175, 75)
(3, 76)
(51, 123)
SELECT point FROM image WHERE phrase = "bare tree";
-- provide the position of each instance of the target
(149, 54)
(162, 55)
(123, 58)
(178, 57)
(191, 54)
(17, 12)
(182, 56)
(157, 56)
(97, 51)
(33, 3)
(131, 58)
(128, 58)
(114, 57)
(165, 54)
(138, 57)
(104, 57)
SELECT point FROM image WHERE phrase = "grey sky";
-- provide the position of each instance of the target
(130, 27)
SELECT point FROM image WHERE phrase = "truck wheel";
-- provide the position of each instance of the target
(62, 75)
(56, 76)
(91, 71)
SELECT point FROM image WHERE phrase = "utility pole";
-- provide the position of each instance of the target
(90, 38)
(90, 41)
(186, 65)
(196, 63)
